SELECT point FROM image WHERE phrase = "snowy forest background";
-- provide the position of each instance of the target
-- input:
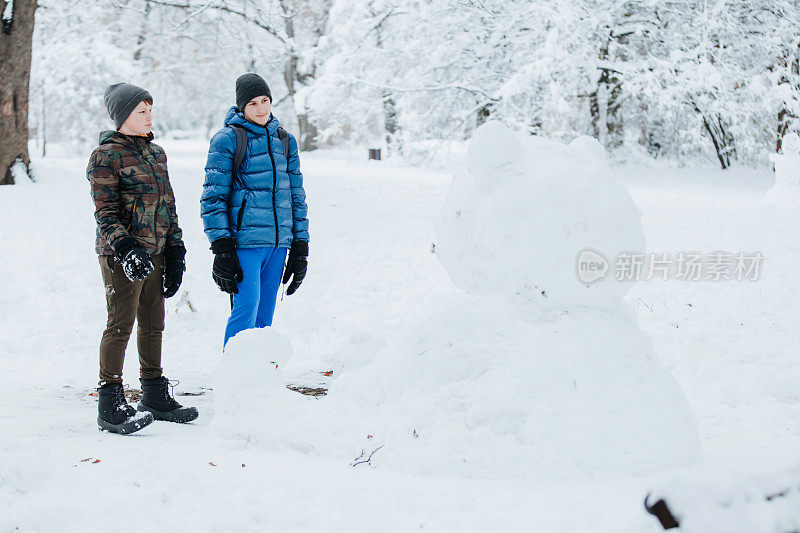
(700, 79)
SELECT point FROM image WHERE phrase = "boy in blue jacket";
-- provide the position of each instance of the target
(255, 214)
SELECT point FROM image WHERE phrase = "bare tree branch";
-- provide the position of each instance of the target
(125, 6)
(289, 43)
(429, 89)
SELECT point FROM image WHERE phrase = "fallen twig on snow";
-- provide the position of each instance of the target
(368, 460)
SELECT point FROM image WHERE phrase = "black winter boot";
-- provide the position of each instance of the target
(157, 400)
(115, 415)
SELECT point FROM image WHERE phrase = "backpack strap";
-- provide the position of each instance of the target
(283, 135)
(239, 153)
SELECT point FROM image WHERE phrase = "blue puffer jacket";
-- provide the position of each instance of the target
(254, 216)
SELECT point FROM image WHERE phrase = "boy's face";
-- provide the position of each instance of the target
(139, 121)
(258, 109)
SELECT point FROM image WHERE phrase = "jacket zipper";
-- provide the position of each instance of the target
(158, 189)
(133, 215)
(158, 201)
(274, 181)
(240, 216)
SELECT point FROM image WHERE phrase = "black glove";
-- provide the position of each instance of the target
(296, 265)
(135, 262)
(174, 267)
(226, 271)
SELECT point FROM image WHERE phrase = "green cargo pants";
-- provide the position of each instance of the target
(127, 300)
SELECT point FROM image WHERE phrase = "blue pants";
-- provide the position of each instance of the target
(254, 304)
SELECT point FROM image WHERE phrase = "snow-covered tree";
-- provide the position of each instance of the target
(717, 79)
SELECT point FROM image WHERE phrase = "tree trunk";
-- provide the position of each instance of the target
(606, 105)
(614, 125)
(717, 130)
(15, 68)
(722, 139)
(786, 119)
(307, 138)
(390, 125)
(142, 37)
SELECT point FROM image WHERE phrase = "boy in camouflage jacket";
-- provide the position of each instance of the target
(141, 255)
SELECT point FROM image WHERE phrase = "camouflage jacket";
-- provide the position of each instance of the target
(132, 194)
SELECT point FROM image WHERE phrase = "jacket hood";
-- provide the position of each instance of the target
(113, 136)
(236, 118)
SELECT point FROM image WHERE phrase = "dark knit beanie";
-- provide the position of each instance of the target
(121, 99)
(249, 86)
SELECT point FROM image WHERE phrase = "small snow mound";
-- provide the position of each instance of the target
(251, 401)
(589, 146)
(248, 380)
(791, 144)
(25, 471)
(20, 172)
(786, 191)
(264, 343)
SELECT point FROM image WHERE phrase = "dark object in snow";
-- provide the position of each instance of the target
(668, 516)
(374, 154)
(308, 391)
(184, 300)
(360, 460)
(133, 395)
(115, 415)
(156, 400)
(661, 511)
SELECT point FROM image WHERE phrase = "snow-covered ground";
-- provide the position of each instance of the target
(731, 346)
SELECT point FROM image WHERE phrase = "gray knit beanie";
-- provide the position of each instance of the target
(121, 99)
(249, 86)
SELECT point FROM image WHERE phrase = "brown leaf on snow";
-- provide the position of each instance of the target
(211, 463)
(327, 373)
(95, 461)
(85, 460)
